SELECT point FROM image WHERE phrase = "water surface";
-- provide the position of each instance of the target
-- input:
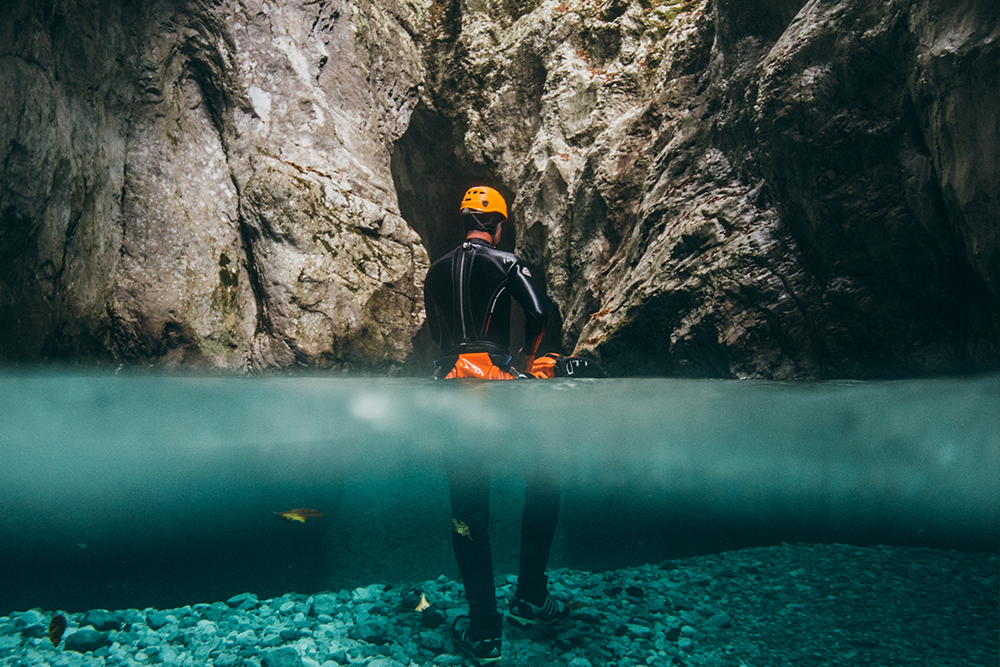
(152, 490)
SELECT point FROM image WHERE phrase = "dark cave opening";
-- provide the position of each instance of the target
(431, 174)
(430, 178)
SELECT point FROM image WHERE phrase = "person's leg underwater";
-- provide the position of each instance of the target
(532, 604)
(478, 634)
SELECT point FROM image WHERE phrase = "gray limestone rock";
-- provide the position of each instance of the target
(728, 188)
(741, 189)
(207, 184)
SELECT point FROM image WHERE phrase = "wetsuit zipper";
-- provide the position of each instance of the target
(459, 279)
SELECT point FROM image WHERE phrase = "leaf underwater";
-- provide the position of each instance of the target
(461, 528)
(299, 515)
(56, 628)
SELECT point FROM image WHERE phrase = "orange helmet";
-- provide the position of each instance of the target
(484, 200)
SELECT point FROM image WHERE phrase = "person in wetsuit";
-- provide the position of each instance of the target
(468, 294)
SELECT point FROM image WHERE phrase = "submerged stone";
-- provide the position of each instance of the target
(103, 620)
(280, 657)
(324, 603)
(86, 640)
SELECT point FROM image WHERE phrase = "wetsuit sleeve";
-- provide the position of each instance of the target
(431, 309)
(432, 320)
(534, 305)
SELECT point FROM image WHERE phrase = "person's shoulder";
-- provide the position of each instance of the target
(497, 254)
(513, 263)
(443, 259)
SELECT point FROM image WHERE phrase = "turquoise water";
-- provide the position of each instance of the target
(133, 491)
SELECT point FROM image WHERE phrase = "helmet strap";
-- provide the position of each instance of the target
(482, 222)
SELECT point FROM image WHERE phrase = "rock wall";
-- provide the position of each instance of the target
(207, 183)
(722, 188)
(746, 189)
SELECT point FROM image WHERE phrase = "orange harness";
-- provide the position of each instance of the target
(544, 367)
(479, 365)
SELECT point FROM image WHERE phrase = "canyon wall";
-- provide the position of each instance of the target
(200, 183)
(709, 188)
(746, 189)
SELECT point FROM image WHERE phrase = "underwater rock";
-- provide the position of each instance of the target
(385, 662)
(103, 620)
(86, 640)
(156, 619)
(324, 603)
(216, 611)
(372, 630)
(36, 631)
(227, 660)
(280, 657)
(28, 618)
(719, 621)
(243, 601)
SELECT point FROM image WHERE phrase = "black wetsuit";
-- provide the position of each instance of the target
(467, 293)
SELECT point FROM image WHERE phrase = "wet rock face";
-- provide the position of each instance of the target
(733, 189)
(208, 183)
(723, 188)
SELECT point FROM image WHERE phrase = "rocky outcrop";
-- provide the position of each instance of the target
(763, 189)
(208, 183)
(710, 187)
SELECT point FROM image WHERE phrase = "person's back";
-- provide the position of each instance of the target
(467, 293)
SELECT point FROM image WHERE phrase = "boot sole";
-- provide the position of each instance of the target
(525, 622)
